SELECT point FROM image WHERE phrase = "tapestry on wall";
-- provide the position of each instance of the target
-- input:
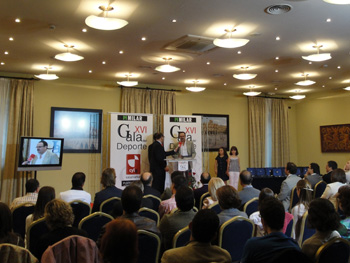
(335, 138)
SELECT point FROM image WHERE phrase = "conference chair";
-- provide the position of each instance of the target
(233, 234)
(93, 224)
(268, 171)
(335, 250)
(251, 206)
(290, 228)
(252, 171)
(35, 230)
(201, 200)
(260, 172)
(216, 208)
(319, 189)
(305, 231)
(108, 205)
(149, 213)
(277, 172)
(149, 247)
(14, 254)
(19, 215)
(80, 210)
(294, 199)
(155, 200)
(182, 237)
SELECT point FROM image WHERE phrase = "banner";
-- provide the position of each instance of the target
(192, 126)
(130, 135)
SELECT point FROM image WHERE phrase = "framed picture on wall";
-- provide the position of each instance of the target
(80, 128)
(215, 131)
(335, 138)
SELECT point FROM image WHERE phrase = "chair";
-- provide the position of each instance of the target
(19, 215)
(252, 171)
(80, 210)
(290, 228)
(108, 205)
(216, 208)
(319, 189)
(294, 199)
(35, 230)
(305, 231)
(233, 234)
(14, 254)
(149, 247)
(205, 195)
(251, 206)
(93, 223)
(335, 250)
(182, 237)
(260, 172)
(155, 200)
(149, 213)
(277, 172)
(268, 171)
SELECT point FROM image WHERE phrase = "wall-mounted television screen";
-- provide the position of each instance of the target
(39, 153)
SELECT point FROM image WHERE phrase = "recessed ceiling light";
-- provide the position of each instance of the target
(347, 88)
(6, 52)
(174, 21)
(121, 52)
(90, 71)
(184, 71)
(277, 58)
(276, 70)
(278, 38)
(276, 88)
(225, 84)
(163, 78)
(328, 20)
(18, 20)
(2, 63)
(239, 52)
(84, 30)
(310, 62)
(339, 67)
(208, 63)
(11, 39)
(103, 62)
(143, 39)
(330, 77)
(323, 86)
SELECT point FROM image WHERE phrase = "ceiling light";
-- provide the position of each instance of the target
(195, 88)
(6, 52)
(90, 71)
(305, 82)
(128, 83)
(121, 52)
(103, 62)
(163, 78)
(67, 56)
(297, 97)
(251, 93)
(318, 57)
(239, 52)
(18, 20)
(84, 30)
(230, 42)
(167, 68)
(277, 58)
(47, 76)
(143, 39)
(2, 63)
(338, 2)
(278, 38)
(174, 21)
(329, 20)
(244, 76)
(105, 23)
(347, 88)
(11, 39)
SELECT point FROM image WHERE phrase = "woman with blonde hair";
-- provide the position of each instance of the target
(214, 184)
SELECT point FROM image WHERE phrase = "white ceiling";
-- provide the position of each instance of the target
(35, 44)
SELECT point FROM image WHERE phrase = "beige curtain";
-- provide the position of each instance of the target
(280, 133)
(257, 125)
(136, 100)
(20, 123)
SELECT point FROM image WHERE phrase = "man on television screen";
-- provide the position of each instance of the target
(44, 156)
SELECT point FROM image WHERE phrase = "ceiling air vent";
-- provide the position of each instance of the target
(278, 9)
(191, 44)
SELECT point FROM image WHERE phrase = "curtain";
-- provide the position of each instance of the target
(20, 123)
(136, 100)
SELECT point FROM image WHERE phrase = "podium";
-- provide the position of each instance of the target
(184, 165)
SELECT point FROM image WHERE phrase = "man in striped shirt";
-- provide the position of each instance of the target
(32, 189)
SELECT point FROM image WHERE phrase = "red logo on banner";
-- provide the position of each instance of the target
(133, 163)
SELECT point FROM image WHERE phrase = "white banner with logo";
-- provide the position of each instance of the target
(192, 126)
(130, 135)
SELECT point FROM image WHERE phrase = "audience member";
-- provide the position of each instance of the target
(77, 192)
(205, 178)
(338, 179)
(229, 202)
(109, 189)
(347, 171)
(59, 219)
(119, 243)
(313, 174)
(32, 189)
(264, 249)
(145, 201)
(204, 227)
(214, 184)
(331, 165)
(166, 206)
(147, 179)
(6, 232)
(288, 184)
(322, 217)
(248, 191)
(344, 205)
(167, 194)
(304, 193)
(171, 223)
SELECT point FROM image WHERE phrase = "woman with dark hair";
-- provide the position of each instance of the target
(344, 205)
(6, 232)
(338, 179)
(322, 217)
(119, 243)
(221, 164)
(233, 167)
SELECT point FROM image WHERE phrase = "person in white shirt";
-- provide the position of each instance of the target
(77, 192)
(338, 179)
(347, 171)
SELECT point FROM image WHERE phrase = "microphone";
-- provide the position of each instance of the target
(31, 157)
(180, 143)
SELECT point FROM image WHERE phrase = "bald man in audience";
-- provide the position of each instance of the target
(147, 179)
(205, 178)
(248, 191)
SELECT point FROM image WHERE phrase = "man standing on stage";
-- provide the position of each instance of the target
(186, 147)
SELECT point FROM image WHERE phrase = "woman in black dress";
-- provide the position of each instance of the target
(221, 164)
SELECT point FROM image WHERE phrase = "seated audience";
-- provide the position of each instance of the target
(288, 184)
(304, 193)
(313, 174)
(264, 249)
(338, 179)
(77, 192)
(205, 178)
(6, 232)
(167, 191)
(331, 165)
(147, 179)
(166, 206)
(59, 219)
(147, 203)
(229, 202)
(344, 205)
(119, 242)
(171, 223)
(347, 171)
(322, 217)
(109, 189)
(32, 189)
(204, 227)
(248, 192)
(214, 184)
